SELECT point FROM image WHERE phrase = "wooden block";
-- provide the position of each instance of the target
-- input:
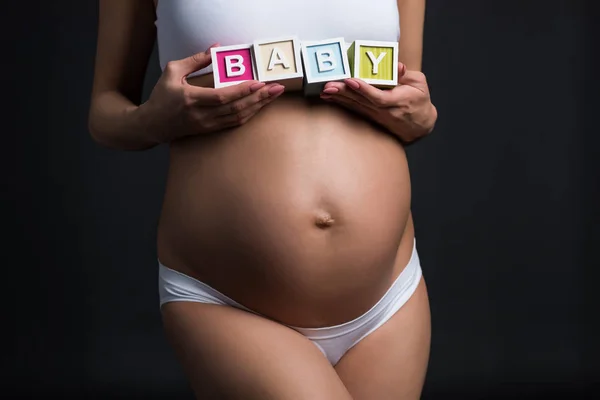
(232, 65)
(324, 61)
(278, 60)
(374, 62)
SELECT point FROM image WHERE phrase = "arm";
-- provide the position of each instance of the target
(175, 108)
(410, 46)
(126, 35)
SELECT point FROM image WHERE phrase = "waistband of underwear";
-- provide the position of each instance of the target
(186, 289)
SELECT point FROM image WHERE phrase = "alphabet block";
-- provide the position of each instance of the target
(278, 60)
(232, 65)
(324, 61)
(374, 62)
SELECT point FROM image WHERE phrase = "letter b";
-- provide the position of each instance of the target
(234, 65)
(325, 60)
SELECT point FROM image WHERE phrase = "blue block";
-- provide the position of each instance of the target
(324, 61)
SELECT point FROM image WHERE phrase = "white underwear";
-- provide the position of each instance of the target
(333, 341)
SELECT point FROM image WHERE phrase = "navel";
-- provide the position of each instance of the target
(324, 220)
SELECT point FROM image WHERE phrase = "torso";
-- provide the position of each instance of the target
(302, 214)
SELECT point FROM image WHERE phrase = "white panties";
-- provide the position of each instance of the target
(333, 341)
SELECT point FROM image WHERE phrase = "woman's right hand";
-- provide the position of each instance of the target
(178, 109)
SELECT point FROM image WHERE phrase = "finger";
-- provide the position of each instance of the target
(378, 97)
(336, 89)
(217, 97)
(388, 98)
(402, 69)
(244, 115)
(182, 68)
(234, 120)
(415, 79)
(240, 105)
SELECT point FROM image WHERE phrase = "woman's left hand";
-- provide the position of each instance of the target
(406, 110)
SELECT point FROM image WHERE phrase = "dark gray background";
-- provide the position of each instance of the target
(506, 195)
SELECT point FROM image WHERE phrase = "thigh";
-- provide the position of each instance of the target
(227, 353)
(391, 363)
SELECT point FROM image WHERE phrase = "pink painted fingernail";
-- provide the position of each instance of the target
(403, 69)
(211, 46)
(331, 90)
(276, 89)
(353, 84)
(257, 86)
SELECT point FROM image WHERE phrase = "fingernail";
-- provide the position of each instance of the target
(256, 86)
(211, 46)
(353, 84)
(326, 97)
(276, 89)
(331, 90)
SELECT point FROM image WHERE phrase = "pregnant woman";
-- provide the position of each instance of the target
(287, 263)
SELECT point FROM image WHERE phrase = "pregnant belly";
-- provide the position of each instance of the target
(298, 215)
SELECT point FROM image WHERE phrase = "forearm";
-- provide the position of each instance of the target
(117, 123)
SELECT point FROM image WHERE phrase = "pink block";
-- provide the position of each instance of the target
(246, 62)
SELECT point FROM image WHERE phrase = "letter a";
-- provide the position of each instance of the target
(375, 61)
(277, 57)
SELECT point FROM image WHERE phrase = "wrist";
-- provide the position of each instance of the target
(431, 118)
(143, 117)
(421, 125)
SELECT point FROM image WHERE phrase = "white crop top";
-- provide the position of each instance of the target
(186, 27)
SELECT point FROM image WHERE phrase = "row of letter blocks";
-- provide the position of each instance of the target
(308, 65)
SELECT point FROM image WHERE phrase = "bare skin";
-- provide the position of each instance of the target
(301, 213)
(232, 354)
(391, 363)
(279, 363)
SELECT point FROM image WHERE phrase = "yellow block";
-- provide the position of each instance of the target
(375, 62)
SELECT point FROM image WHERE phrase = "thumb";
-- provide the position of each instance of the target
(415, 79)
(401, 71)
(195, 62)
